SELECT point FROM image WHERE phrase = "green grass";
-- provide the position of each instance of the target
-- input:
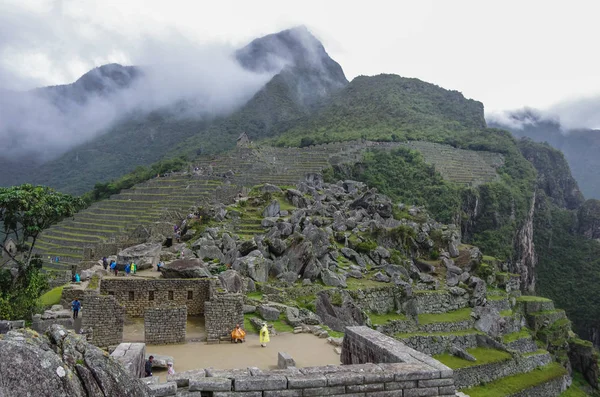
(506, 313)
(255, 295)
(279, 325)
(515, 336)
(482, 354)
(94, 282)
(51, 297)
(578, 387)
(355, 284)
(450, 317)
(531, 298)
(512, 384)
(380, 319)
(332, 333)
(535, 353)
(455, 333)
(496, 297)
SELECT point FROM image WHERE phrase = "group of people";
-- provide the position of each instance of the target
(239, 335)
(129, 267)
(148, 367)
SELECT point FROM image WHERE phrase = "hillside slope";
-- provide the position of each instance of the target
(305, 75)
(580, 147)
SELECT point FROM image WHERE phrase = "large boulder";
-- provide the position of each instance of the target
(337, 310)
(145, 256)
(185, 268)
(272, 210)
(231, 281)
(333, 279)
(210, 252)
(269, 313)
(253, 265)
(61, 364)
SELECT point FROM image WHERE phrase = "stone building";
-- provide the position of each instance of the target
(243, 140)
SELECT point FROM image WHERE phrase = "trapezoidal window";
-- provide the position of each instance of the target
(150, 295)
(190, 295)
(170, 295)
(131, 295)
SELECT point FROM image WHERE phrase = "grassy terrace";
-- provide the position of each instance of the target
(513, 384)
(530, 298)
(515, 336)
(455, 333)
(482, 354)
(279, 325)
(450, 317)
(51, 297)
(380, 319)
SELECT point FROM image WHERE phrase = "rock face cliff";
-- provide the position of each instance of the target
(59, 364)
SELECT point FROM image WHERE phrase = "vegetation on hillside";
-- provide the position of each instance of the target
(25, 211)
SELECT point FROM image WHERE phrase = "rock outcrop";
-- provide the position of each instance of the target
(185, 268)
(59, 364)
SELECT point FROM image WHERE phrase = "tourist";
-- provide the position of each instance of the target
(264, 335)
(159, 265)
(148, 366)
(105, 263)
(127, 269)
(238, 334)
(170, 370)
(133, 268)
(75, 305)
(113, 267)
(76, 278)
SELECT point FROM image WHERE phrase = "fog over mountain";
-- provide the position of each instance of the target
(185, 80)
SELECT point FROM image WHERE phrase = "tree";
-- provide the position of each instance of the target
(25, 211)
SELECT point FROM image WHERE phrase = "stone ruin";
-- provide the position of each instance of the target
(373, 364)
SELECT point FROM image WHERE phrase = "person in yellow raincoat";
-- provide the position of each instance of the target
(238, 334)
(264, 335)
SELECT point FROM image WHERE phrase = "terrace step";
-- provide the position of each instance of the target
(548, 381)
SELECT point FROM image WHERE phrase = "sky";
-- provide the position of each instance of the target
(507, 54)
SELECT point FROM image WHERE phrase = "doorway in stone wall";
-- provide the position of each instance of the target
(133, 329)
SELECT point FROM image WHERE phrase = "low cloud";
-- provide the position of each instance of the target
(177, 76)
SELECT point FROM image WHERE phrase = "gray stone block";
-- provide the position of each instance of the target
(425, 392)
(282, 393)
(410, 384)
(237, 394)
(307, 381)
(252, 383)
(183, 378)
(163, 389)
(364, 388)
(391, 393)
(447, 390)
(436, 382)
(269, 313)
(210, 384)
(324, 391)
(344, 379)
(284, 360)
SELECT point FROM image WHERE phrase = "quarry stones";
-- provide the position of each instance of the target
(185, 268)
(145, 256)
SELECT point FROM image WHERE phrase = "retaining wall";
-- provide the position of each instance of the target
(407, 373)
(165, 325)
(137, 294)
(222, 313)
(104, 317)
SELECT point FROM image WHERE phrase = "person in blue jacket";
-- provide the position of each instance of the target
(76, 305)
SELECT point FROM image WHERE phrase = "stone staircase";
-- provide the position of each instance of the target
(220, 177)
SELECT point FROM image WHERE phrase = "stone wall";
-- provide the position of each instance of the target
(165, 325)
(104, 316)
(486, 373)
(222, 313)
(441, 301)
(137, 294)
(412, 374)
(439, 344)
(69, 294)
(380, 300)
(132, 356)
